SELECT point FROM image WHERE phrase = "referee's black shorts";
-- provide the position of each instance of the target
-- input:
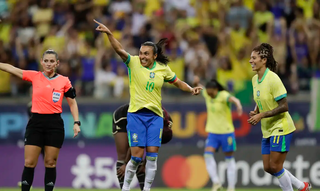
(45, 130)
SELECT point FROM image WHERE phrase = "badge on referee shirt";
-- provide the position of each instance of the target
(56, 97)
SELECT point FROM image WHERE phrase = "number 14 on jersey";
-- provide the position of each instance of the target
(259, 105)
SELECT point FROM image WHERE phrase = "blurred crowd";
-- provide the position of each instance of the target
(209, 38)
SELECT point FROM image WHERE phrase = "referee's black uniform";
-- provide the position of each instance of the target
(29, 106)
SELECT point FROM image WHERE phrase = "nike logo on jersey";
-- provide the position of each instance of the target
(118, 128)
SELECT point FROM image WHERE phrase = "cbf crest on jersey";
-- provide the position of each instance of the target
(135, 137)
(152, 75)
(258, 93)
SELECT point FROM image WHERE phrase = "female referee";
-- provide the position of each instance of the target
(147, 72)
(271, 108)
(45, 128)
(119, 130)
(221, 131)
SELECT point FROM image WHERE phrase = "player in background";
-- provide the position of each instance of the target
(147, 73)
(119, 130)
(271, 108)
(45, 127)
(221, 130)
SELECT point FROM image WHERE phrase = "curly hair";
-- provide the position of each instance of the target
(265, 50)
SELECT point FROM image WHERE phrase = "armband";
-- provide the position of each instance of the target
(71, 93)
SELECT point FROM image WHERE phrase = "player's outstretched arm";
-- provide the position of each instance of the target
(237, 102)
(196, 82)
(11, 69)
(114, 43)
(185, 87)
(75, 114)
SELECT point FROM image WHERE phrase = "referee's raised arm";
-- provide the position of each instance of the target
(11, 69)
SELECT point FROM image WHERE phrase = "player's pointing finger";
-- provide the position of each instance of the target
(96, 22)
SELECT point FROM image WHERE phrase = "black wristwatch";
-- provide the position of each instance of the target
(77, 122)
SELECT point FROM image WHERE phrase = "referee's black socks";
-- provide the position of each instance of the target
(27, 178)
(50, 178)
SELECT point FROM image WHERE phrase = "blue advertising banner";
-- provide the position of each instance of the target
(188, 127)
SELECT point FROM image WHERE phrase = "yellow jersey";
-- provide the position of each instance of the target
(307, 6)
(219, 116)
(5, 82)
(145, 84)
(266, 93)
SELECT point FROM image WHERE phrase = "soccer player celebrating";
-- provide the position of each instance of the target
(45, 128)
(221, 131)
(271, 108)
(147, 72)
(119, 130)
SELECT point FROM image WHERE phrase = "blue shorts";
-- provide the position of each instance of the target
(226, 141)
(278, 143)
(144, 129)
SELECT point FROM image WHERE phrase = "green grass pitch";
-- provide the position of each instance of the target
(155, 189)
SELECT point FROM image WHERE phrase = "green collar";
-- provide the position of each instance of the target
(215, 96)
(264, 75)
(154, 65)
